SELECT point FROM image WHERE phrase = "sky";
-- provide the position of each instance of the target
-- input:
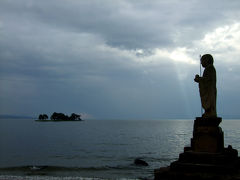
(121, 59)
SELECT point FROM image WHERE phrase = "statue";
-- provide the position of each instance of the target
(207, 86)
(206, 155)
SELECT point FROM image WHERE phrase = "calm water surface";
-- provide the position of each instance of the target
(97, 148)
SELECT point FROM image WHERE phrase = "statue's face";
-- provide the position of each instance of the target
(204, 62)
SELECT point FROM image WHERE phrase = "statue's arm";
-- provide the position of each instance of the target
(208, 75)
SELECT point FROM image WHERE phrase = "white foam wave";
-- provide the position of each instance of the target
(10, 177)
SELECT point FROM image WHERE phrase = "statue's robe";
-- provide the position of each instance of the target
(208, 91)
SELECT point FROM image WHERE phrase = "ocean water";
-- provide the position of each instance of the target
(101, 149)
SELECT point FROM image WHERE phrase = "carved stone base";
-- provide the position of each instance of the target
(207, 136)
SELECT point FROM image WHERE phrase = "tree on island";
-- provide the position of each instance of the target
(42, 117)
(59, 116)
(75, 117)
(62, 117)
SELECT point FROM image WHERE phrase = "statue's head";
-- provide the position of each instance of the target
(206, 60)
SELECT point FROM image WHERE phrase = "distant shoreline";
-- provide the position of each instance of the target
(6, 116)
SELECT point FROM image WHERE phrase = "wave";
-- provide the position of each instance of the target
(55, 168)
(111, 172)
(10, 177)
(68, 173)
(44, 170)
(61, 168)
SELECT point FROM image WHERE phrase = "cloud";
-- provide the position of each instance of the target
(224, 39)
(131, 59)
(127, 24)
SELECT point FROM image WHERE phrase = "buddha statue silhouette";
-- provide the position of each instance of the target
(207, 86)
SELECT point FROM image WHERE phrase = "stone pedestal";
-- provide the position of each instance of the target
(206, 158)
(207, 135)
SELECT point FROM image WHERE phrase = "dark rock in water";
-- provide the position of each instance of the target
(140, 162)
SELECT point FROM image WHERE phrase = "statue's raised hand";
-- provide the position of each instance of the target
(197, 77)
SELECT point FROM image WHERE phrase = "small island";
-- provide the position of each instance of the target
(59, 117)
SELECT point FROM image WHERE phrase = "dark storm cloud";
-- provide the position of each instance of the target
(128, 24)
(107, 58)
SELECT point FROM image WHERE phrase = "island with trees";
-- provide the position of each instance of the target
(59, 117)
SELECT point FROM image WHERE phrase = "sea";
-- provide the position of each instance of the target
(95, 149)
